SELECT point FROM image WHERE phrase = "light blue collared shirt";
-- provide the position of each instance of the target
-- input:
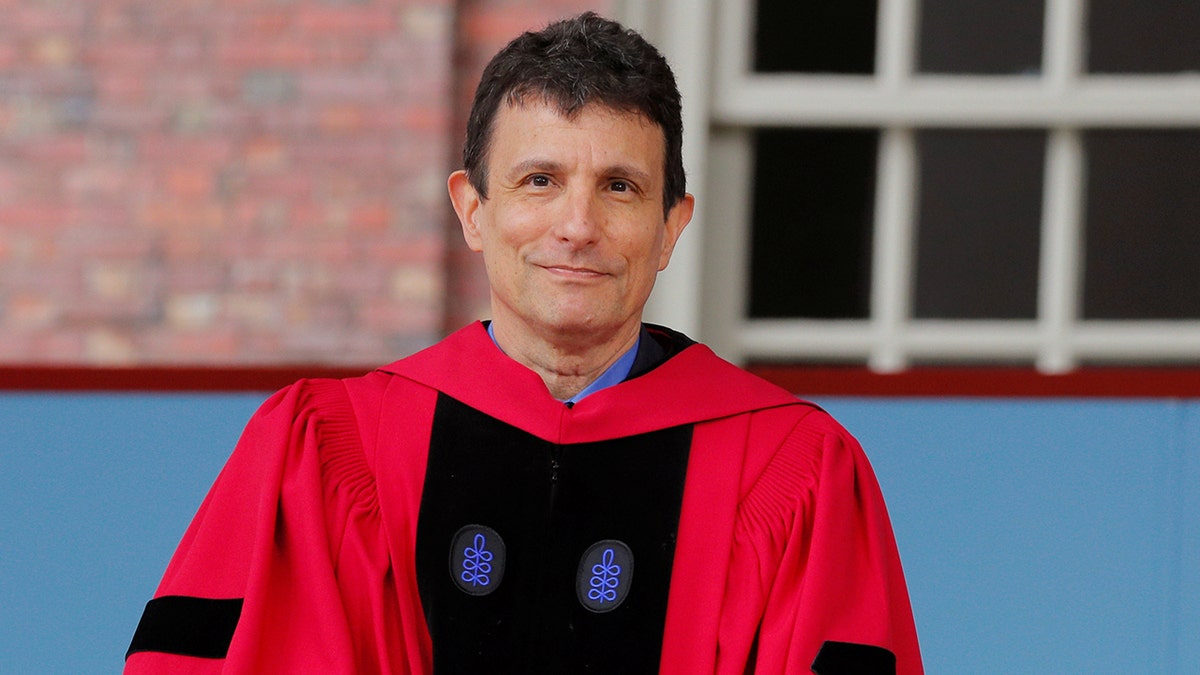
(614, 374)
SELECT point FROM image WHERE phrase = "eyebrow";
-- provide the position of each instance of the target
(535, 165)
(633, 172)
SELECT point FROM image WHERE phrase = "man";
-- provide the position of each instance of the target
(562, 489)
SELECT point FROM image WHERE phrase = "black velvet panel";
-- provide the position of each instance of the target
(177, 624)
(658, 344)
(550, 504)
(848, 658)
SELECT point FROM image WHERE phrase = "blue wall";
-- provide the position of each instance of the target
(1050, 536)
(1056, 536)
(95, 492)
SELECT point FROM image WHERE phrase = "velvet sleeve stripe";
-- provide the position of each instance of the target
(848, 658)
(188, 626)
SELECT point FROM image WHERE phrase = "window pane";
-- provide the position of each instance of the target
(1142, 239)
(984, 38)
(813, 211)
(979, 224)
(1136, 36)
(815, 37)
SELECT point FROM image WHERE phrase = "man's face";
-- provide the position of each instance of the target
(572, 232)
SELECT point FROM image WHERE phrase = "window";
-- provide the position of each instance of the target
(814, 37)
(1146, 37)
(980, 38)
(812, 198)
(905, 182)
(979, 206)
(1142, 224)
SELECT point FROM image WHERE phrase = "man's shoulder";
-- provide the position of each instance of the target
(693, 384)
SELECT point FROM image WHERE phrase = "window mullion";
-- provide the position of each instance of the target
(733, 35)
(891, 260)
(1059, 273)
(726, 282)
(1063, 44)
(891, 273)
(896, 43)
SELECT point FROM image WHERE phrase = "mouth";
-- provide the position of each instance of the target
(572, 272)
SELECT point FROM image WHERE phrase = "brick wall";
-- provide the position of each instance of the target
(237, 181)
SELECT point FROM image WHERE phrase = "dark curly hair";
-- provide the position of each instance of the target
(572, 64)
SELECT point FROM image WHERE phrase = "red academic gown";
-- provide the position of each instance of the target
(302, 557)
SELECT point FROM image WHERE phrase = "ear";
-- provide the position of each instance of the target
(677, 219)
(466, 203)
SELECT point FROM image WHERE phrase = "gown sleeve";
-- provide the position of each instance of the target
(815, 584)
(285, 567)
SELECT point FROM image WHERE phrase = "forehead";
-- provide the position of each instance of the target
(596, 131)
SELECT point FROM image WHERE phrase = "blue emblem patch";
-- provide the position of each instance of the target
(477, 559)
(604, 577)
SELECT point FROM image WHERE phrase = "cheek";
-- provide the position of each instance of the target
(655, 255)
(520, 229)
(498, 244)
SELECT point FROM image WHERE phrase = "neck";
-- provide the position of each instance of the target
(566, 363)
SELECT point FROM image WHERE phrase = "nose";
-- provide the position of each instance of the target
(579, 223)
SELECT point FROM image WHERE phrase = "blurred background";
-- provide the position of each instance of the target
(263, 181)
(887, 188)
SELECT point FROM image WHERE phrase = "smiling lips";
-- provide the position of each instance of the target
(574, 272)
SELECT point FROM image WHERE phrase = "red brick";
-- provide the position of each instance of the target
(30, 18)
(156, 148)
(264, 21)
(426, 119)
(95, 181)
(108, 241)
(134, 54)
(341, 119)
(55, 51)
(251, 51)
(181, 220)
(65, 148)
(220, 344)
(30, 311)
(370, 217)
(195, 275)
(189, 183)
(364, 86)
(262, 153)
(48, 217)
(258, 311)
(341, 51)
(56, 347)
(121, 85)
(361, 21)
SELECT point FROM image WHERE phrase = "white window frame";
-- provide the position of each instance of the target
(704, 291)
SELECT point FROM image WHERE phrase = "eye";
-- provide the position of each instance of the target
(539, 180)
(620, 186)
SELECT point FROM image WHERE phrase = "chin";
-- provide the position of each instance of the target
(573, 323)
(577, 327)
(573, 318)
